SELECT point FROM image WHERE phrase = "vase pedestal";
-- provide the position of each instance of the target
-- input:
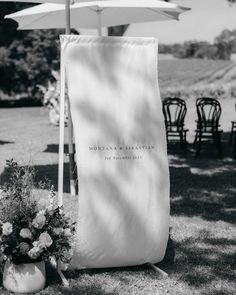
(24, 278)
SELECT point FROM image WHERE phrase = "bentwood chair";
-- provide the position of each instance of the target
(174, 110)
(232, 139)
(208, 113)
(233, 129)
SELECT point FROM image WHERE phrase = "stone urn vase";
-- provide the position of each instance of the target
(24, 278)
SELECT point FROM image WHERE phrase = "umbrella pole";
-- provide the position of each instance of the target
(61, 133)
(70, 127)
(99, 12)
(67, 9)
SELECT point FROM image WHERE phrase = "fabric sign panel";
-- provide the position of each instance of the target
(123, 213)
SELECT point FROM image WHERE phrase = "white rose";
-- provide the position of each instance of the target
(7, 228)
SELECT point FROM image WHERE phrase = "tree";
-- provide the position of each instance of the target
(8, 27)
(231, 1)
(26, 57)
(227, 37)
(117, 30)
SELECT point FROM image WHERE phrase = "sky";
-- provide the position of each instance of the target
(205, 21)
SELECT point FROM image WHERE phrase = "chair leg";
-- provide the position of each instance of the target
(181, 137)
(218, 143)
(231, 133)
(184, 140)
(167, 138)
(199, 144)
(196, 138)
(234, 145)
(214, 137)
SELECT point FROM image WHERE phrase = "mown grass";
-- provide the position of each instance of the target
(201, 253)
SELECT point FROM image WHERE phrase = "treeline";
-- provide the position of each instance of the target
(222, 48)
(28, 57)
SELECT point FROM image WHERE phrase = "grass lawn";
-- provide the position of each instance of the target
(202, 250)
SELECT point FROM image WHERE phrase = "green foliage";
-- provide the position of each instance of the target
(231, 1)
(8, 31)
(51, 100)
(27, 63)
(117, 30)
(26, 57)
(205, 50)
(228, 39)
(31, 231)
(223, 46)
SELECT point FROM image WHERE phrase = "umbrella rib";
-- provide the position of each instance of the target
(163, 13)
(96, 10)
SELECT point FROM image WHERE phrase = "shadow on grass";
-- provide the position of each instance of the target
(92, 289)
(208, 149)
(54, 148)
(2, 142)
(203, 186)
(205, 259)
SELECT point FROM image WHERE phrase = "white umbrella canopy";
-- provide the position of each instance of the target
(95, 14)
(45, 1)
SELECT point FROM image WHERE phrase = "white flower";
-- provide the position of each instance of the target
(37, 244)
(35, 252)
(42, 212)
(50, 207)
(42, 203)
(67, 232)
(58, 230)
(25, 233)
(7, 228)
(1, 194)
(45, 240)
(39, 221)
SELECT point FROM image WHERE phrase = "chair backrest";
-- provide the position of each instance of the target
(208, 112)
(174, 109)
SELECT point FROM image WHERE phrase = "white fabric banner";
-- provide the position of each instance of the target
(123, 214)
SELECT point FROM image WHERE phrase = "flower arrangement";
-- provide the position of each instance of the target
(31, 230)
(51, 99)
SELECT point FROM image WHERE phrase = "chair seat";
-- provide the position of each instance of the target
(174, 128)
(208, 130)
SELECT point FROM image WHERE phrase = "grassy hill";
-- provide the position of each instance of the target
(195, 77)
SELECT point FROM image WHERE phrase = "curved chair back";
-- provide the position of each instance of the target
(174, 110)
(208, 112)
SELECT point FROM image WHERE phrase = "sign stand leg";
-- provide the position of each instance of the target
(71, 153)
(158, 270)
